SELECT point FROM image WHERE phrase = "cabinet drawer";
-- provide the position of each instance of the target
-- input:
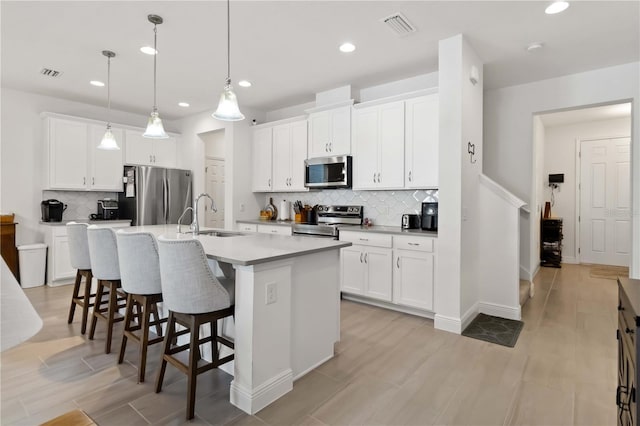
(366, 238)
(248, 227)
(274, 229)
(414, 243)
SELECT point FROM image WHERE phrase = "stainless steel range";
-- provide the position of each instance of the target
(329, 218)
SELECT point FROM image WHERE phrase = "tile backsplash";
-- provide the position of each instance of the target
(80, 204)
(383, 207)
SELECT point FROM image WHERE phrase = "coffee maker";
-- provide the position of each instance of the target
(429, 220)
(108, 209)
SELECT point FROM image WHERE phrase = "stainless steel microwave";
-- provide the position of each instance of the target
(328, 172)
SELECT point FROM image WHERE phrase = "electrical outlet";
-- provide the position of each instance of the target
(271, 295)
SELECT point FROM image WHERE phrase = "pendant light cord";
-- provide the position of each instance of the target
(228, 45)
(155, 55)
(108, 92)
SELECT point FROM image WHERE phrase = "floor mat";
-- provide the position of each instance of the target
(492, 329)
(608, 272)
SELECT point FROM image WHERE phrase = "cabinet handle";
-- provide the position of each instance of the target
(326, 147)
(414, 244)
(398, 262)
(363, 239)
(330, 146)
(93, 181)
(628, 331)
(378, 177)
(274, 231)
(366, 255)
(409, 175)
(374, 178)
(620, 307)
(361, 257)
(269, 183)
(84, 180)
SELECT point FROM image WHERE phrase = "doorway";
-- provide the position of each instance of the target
(214, 185)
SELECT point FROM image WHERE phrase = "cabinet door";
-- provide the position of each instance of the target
(421, 145)
(340, 139)
(378, 264)
(319, 134)
(274, 229)
(138, 149)
(391, 160)
(164, 152)
(352, 270)
(61, 259)
(281, 171)
(298, 155)
(413, 279)
(365, 148)
(262, 160)
(105, 166)
(67, 154)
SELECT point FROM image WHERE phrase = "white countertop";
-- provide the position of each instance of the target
(90, 222)
(249, 248)
(395, 230)
(267, 222)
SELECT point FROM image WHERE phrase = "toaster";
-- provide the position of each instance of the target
(410, 221)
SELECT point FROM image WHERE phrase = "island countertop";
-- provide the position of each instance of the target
(249, 248)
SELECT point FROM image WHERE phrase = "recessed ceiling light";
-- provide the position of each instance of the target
(347, 47)
(556, 7)
(148, 50)
(183, 104)
(244, 83)
(96, 83)
(535, 46)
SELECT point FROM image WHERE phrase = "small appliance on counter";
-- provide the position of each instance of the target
(108, 209)
(410, 221)
(52, 210)
(429, 216)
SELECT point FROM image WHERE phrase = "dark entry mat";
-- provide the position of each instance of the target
(492, 329)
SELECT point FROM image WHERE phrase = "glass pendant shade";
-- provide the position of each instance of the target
(108, 142)
(155, 129)
(228, 109)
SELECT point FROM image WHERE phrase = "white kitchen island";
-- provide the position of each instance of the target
(287, 312)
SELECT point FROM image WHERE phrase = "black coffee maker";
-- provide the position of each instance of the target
(52, 210)
(429, 216)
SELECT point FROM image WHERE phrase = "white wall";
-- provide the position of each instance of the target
(214, 143)
(560, 157)
(508, 128)
(23, 152)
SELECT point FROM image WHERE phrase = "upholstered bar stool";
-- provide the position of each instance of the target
(103, 251)
(140, 277)
(193, 296)
(80, 260)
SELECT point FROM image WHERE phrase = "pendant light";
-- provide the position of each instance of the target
(228, 106)
(155, 129)
(108, 141)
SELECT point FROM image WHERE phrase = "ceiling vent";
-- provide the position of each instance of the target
(399, 24)
(50, 73)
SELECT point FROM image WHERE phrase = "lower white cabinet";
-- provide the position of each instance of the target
(366, 265)
(274, 229)
(413, 279)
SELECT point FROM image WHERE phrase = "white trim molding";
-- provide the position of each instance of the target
(501, 311)
(253, 401)
(445, 323)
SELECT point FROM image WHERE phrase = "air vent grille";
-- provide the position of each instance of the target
(50, 73)
(399, 24)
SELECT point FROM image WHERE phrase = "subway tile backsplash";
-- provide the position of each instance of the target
(383, 207)
(80, 204)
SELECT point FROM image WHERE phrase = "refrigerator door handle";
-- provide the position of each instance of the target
(165, 190)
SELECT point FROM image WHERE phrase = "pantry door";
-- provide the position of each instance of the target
(214, 172)
(605, 201)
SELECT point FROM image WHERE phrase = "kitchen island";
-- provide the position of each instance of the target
(287, 312)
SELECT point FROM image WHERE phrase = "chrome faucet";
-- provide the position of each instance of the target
(195, 226)
(180, 219)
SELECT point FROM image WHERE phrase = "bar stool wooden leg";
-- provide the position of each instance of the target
(128, 314)
(88, 277)
(192, 374)
(74, 297)
(96, 309)
(111, 312)
(166, 345)
(144, 343)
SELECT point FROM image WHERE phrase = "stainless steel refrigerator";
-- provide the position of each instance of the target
(154, 195)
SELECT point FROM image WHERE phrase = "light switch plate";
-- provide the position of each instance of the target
(271, 294)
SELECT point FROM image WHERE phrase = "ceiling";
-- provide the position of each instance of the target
(581, 115)
(289, 49)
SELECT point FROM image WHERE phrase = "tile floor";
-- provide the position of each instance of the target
(390, 369)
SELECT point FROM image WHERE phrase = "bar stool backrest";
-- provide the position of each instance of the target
(188, 285)
(103, 250)
(139, 262)
(78, 245)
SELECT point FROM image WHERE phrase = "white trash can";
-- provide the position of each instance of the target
(33, 260)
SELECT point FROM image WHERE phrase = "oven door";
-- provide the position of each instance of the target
(328, 172)
(314, 231)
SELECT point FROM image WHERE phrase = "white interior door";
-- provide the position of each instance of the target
(214, 171)
(605, 201)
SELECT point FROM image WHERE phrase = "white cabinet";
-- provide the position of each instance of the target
(289, 153)
(366, 265)
(274, 229)
(421, 143)
(262, 159)
(330, 132)
(73, 160)
(150, 152)
(414, 271)
(247, 227)
(378, 138)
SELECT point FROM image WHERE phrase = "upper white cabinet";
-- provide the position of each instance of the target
(262, 159)
(150, 152)
(289, 153)
(330, 132)
(421, 142)
(73, 160)
(378, 145)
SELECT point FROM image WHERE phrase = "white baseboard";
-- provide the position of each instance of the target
(469, 315)
(525, 274)
(253, 400)
(313, 367)
(501, 311)
(569, 259)
(445, 323)
(388, 305)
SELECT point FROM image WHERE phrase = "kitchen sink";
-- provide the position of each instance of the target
(221, 233)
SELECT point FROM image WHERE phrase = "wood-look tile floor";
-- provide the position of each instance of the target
(390, 369)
